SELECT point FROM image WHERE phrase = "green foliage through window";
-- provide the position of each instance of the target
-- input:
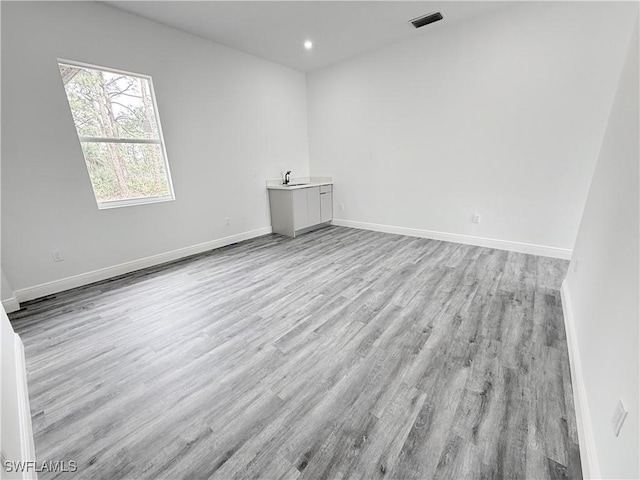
(117, 125)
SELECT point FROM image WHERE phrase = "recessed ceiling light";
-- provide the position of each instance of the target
(308, 44)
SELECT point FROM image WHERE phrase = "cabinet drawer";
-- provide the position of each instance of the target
(325, 188)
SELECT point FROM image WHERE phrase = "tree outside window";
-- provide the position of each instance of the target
(117, 123)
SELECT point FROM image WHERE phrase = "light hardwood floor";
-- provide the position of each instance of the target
(338, 354)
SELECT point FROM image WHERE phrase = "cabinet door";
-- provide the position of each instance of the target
(326, 206)
(313, 205)
(281, 212)
(300, 214)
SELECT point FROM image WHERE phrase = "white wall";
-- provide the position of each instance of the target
(6, 291)
(9, 418)
(9, 302)
(603, 281)
(230, 122)
(10, 437)
(16, 438)
(501, 115)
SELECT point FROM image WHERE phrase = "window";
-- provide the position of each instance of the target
(116, 117)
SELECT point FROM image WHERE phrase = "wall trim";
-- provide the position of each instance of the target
(11, 305)
(27, 447)
(588, 455)
(81, 279)
(555, 252)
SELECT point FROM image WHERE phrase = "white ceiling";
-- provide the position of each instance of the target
(276, 30)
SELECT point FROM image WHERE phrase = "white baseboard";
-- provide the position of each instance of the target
(588, 457)
(27, 447)
(63, 284)
(555, 252)
(11, 305)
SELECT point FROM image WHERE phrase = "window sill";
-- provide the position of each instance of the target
(134, 201)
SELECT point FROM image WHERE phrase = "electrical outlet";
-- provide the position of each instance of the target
(476, 218)
(342, 206)
(619, 416)
(226, 221)
(57, 256)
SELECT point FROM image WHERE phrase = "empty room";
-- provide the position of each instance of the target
(323, 239)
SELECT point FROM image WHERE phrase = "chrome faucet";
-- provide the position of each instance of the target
(287, 178)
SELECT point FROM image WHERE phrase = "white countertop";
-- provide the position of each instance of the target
(305, 182)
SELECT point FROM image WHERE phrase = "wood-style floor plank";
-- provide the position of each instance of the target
(341, 353)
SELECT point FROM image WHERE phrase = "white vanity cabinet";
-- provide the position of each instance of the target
(298, 209)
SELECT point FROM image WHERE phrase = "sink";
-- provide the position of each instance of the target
(294, 184)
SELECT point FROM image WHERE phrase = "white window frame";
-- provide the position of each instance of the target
(160, 141)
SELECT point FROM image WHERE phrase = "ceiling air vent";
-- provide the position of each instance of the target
(426, 19)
